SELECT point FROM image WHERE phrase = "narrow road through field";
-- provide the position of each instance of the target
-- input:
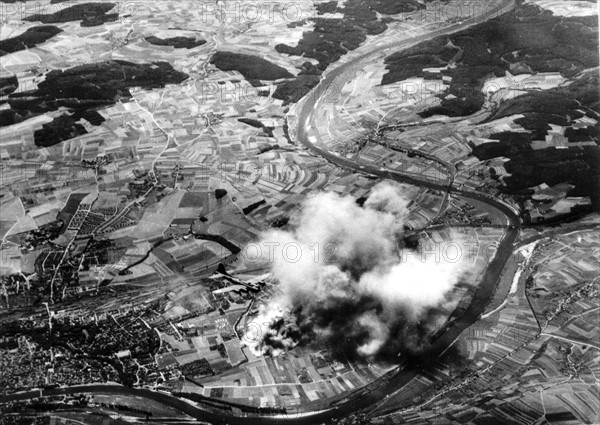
(377, 391)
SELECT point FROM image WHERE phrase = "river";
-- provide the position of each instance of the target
(481, 298)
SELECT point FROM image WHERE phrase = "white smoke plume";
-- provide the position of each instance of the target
(345, 282)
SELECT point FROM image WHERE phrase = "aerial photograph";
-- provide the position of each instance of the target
(303, 212)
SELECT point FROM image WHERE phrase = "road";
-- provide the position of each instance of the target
(485, 290)
(379, 390)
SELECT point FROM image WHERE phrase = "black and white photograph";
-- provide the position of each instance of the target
(299, 212)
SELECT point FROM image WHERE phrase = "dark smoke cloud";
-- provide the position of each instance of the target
(365, 298)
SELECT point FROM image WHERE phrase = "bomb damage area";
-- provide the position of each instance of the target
(324, 212)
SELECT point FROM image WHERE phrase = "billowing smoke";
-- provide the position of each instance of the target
(345, 283)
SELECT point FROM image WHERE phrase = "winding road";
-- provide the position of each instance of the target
(377, 391)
